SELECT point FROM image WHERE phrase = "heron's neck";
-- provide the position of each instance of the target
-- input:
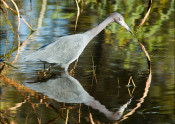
(96, 30)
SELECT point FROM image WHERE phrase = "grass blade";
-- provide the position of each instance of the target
(10, 65)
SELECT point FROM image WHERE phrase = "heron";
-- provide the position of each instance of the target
(67, 49)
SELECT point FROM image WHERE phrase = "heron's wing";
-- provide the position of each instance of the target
(66, 48)
(62, 50)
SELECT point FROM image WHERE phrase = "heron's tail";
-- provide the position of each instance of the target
(31, 57)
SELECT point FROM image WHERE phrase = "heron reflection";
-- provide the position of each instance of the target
(68, 90)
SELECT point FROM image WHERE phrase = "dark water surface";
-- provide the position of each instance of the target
(29, 96)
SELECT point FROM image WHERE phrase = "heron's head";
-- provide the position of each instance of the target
(120, 20)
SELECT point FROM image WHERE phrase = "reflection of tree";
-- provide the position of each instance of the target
(134, 12)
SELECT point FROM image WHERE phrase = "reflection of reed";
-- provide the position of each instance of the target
(148, 11)
(7, 55)
(142, 22)
(141, 100)
(42, 12)
(91, 119)
(68, 83)
(148, 82)
(78, 14)
(19, 47)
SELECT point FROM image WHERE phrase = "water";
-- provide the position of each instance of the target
(27, 96)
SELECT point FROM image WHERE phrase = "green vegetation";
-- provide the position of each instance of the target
(156, 34)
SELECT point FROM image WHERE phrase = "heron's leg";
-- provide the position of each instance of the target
(71, 72)
(65, 69)
(44, 72)
(44, 65)
(48, 69)
(75, 64)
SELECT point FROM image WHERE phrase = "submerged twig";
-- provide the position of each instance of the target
(26, 119)
(67, 116)
(91, 119)
(79, 114)
(93, 70)
(34, 110)
(52, 120)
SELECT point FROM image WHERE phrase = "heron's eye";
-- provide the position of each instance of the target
(120, 19)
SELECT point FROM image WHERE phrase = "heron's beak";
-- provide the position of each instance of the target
(126, 27)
